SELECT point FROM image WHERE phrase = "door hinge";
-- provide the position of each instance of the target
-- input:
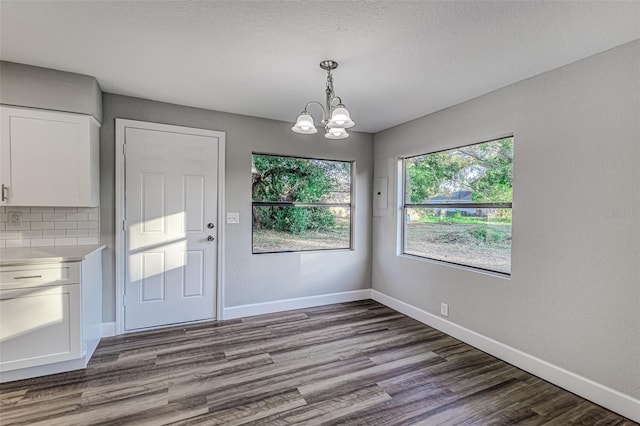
(124, 226)
(124, 149)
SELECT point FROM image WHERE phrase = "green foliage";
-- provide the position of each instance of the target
(484, 169)
(489, 235)
(288, 179)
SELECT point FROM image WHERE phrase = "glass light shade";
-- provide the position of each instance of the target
(336, 133)
(304, 124)
(340, 118)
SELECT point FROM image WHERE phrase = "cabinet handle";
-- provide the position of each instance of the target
(4, 189)
(27, 276)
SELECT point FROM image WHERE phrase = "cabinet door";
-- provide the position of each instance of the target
(39, 325)
(47, 158)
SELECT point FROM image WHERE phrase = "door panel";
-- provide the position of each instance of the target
(171, 196)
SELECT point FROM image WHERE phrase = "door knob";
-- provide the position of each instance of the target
(210, 225)
(210, 238)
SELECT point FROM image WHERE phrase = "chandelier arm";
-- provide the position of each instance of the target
(338, 98)
(306, 107)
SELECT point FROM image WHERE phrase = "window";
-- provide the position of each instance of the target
(300, 204)
(457, 205)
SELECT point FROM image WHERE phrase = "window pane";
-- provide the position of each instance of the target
(277, 229)
(480, 173)
(277, 178)
(474, 237)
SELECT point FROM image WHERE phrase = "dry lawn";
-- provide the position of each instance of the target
(426, 239)
(268, 240)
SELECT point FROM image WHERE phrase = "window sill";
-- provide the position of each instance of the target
(341, 250)
(495, 274)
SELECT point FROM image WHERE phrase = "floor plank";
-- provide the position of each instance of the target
(357, 363)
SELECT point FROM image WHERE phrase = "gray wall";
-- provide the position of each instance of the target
(35, 87)
(574, 295)
(250, 278)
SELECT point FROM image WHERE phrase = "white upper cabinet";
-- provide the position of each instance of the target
(49, 158)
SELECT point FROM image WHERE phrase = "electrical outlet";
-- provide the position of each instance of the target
(14, 220)
(444, 309)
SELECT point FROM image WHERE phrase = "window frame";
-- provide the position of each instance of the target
(404, 206)
(350, 205)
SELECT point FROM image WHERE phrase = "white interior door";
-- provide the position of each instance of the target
(171, 227)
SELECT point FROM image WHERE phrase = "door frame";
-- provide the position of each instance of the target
(120, 240)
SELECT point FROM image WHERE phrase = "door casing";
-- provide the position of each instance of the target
(120, 240)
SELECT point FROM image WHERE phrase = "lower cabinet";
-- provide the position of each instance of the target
(50, 317)
(49, 333)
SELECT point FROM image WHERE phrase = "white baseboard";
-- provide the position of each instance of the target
(108, 329)
(609, 398)
(297, 303)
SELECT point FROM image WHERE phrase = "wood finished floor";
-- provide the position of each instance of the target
(357, 363)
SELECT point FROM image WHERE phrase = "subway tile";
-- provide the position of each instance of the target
(77, 216)
(18, 243)
(2, 244)
(1, 209)
(94, 232)
(54, 233)
(94, 216)
(77, 233)
(3, 217)
(42, 225)
(66, 225)
(66, 241)
(88, 240)
(2, 226)
(88, 225)
(54, 217)
(42, 242)
(18, 209)
(42, 210)
(30, 234)
(24, 226)
(8, 235)
(66, 209)
(32, 217)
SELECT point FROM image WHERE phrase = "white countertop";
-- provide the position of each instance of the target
(29, 255)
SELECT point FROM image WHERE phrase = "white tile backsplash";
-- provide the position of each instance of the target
(18, 243)
(54, 233)
(69, 224)
(42, 225)
(32, 217)
(77, 233)
(49, 226)
(77, 216)
(59, 217)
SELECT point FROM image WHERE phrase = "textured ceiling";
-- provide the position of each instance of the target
(398, 60)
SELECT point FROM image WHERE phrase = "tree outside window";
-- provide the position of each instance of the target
(300, 204)
(457, 205)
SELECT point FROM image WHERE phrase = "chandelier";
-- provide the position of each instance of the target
(335, 116)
